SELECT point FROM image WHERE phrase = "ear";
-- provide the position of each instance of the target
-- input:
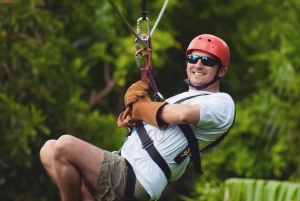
(222, 71)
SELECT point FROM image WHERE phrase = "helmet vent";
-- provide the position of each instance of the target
(209, 40)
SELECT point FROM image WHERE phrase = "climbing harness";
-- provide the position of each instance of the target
(146, 50)
(191, 150)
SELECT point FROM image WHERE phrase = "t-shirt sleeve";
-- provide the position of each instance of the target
(216, 112)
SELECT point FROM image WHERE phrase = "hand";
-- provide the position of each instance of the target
(136, 91)
(124, 118)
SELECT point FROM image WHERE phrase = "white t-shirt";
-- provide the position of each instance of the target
(216, 116)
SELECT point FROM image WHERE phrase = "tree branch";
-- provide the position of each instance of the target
(97, 96)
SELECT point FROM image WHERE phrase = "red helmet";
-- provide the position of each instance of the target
(211, 44)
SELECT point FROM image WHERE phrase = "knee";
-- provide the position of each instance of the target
(46, 152)
(63, 146)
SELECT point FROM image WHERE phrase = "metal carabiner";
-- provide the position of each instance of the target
(147, 56)
(143, 37)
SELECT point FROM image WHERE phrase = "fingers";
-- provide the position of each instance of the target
(139, 86)
(124, 118)
(142, 85)
(134, 92)
(129, 99)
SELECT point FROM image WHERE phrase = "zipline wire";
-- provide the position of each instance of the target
(159, 17)
(126, 22)
(131, 29)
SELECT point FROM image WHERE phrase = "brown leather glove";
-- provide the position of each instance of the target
(142, 107)
(136, 91)
(148, 111)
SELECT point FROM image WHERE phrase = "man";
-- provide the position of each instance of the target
(85, 172)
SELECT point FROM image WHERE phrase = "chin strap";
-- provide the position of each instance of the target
(202, 86)
(216, 78)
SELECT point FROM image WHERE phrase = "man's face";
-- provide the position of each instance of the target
(198, 73)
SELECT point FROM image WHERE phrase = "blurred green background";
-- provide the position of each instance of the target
(65, 66)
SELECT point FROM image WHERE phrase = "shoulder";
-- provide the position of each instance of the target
(202, 97)
(179, 97)
(218, 103)
(220, 97)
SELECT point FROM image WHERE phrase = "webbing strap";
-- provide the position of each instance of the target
(192, 140)
(130, 183)
(150, 148)
(194, 146)
(144, 9)
(189, 97)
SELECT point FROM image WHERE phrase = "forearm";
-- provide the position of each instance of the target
(179, 114)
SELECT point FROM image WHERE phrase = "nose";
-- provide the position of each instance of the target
(199, 64)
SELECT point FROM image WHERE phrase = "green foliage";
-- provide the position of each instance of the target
(43, 75)
(260, 190)
(210, 191)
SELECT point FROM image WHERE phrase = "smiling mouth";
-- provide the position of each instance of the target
(198, 73)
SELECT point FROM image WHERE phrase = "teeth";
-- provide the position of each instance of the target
(198, 73)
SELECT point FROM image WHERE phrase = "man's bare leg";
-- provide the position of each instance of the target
(70, 160)
(47, 158)
(86, 194)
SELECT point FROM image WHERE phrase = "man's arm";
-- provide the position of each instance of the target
(179, 114)
(158, 113)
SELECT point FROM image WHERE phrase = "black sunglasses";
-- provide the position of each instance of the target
(206, 61)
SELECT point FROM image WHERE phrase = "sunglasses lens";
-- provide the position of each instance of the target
(193, 59)
(206, 61)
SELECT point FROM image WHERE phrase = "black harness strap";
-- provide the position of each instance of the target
(192, 140)
(130, 183)
(150, 148)
(189, 97)
(144, 10)
(154, 155)
(193, 145)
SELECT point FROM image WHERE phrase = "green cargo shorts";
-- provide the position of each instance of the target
(112, 180)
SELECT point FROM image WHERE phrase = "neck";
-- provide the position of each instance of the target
(214, 88)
